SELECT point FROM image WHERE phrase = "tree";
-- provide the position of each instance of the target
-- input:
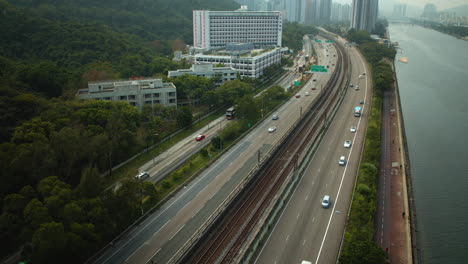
(231, 91)
(50, 244)
(35, 214)
(184, 117)
(90, 183)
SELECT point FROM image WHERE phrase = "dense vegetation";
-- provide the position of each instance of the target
(293, 34)
(53, 148)
(359, 246)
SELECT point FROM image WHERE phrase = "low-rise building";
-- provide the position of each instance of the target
(136, 92)
(219, 74)
(248, 63)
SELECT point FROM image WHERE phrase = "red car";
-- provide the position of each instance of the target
(200, 137)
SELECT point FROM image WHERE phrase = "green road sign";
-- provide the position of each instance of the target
(318, 68)
(329, 41)
(318, 40)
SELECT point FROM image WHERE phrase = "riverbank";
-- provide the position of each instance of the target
(403, 207)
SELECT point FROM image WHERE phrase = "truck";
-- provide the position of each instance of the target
(357, 111)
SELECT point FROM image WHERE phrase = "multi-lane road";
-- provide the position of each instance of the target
(159, 237)
(306, 231)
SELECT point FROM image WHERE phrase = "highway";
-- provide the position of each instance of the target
(162, 234)
(305, 230)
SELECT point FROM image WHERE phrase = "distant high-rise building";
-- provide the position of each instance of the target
(293, 10)
(430, 11)
(324, 10)
(336, 12)
(341, 13)
(364, 14)
(399, 10)
(215, 29)
(346, 12)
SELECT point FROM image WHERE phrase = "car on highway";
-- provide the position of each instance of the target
(363, 73)
(351, 85)
(326, 201)
(272, 129)
(361, 101)
(275, 117)
(352, 129)
(342, 161)
(200, 137)
(356, 87)
(347, 143)
(307, 93)
(360, 76)
(314, 80)
(298, 95)
(313, 88)
(142, 176)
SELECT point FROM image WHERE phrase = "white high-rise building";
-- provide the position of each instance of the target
(364, 14)
(215, 29)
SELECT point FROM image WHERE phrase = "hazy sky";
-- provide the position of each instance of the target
(440, 4)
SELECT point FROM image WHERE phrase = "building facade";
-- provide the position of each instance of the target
(364, 14)
(293, 10)
(221, 74)
(215, 29)
(251, 64)
(136, 92)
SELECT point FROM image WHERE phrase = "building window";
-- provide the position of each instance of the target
(123, 97)
(147, 96)
(157, 101)
(171, 101)
(148, 102)
(131, 97)
(171, 93)
(156, 95)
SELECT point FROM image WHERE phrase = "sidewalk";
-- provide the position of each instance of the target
(400, 250)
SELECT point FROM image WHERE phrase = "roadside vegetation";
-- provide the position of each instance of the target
(359, 246)
(54, 149)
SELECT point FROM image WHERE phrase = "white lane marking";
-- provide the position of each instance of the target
(341, 182)
(170, 205)
(177, 232)
(298, 216)
(313, 219)
(307, 197)
(287, 238)
(303, 242)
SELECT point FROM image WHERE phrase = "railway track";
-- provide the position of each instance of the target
(222, 241)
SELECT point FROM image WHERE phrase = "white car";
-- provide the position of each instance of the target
(272, 129)
(307, 93)
(353, 129)
(275, 117)
(356, 87)
(347, 143)
(326, 201)
(342, 161)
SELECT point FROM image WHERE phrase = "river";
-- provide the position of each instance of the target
(434, 97)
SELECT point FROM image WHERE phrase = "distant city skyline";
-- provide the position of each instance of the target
(441, 4)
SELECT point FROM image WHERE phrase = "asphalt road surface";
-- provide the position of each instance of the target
(160, 236)
(305, 230)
